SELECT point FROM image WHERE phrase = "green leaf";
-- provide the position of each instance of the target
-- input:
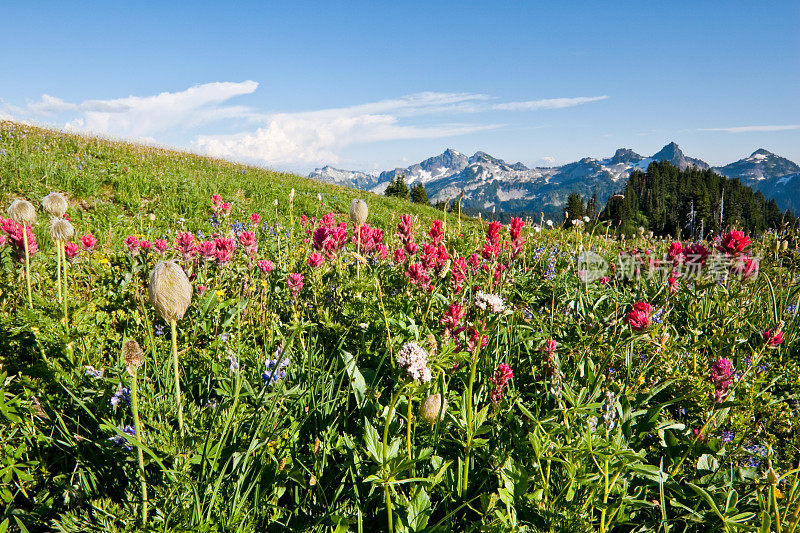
(373, 443)
(419, 509)
(357, 382)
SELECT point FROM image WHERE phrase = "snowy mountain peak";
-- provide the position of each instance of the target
(488, 182)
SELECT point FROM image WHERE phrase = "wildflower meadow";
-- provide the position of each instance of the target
(192, 345)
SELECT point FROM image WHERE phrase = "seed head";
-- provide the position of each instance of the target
(22, 212)
(55, 204)
(132, 355)
(430, 408)
(169, 290)
(358, 212)
(61, 230)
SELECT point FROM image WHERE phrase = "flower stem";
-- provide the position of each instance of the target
(408, 427)
(27, 265)
(140, 437)
(64, 301)
(58, 267)
(470, 429)
(385, 450)
(174, 327)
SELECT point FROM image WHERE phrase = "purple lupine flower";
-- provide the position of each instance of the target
(121, 438)
(123, 394)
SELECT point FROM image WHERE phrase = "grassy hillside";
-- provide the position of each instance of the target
(508, 378)
(107, 180)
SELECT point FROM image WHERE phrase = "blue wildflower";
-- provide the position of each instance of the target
(275, 369)
(728, 435)
(234, 363)
(121, 438)
(123, 394)
(95, 373)
(223, 337)
(159, 330)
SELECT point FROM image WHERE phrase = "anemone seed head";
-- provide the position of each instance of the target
(132, 355)
(169, 290)
(431, 406)
(22, 212)
(358, 212)
(55, 204)
(61, 230)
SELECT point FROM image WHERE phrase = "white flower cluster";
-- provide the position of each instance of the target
(414, 360)
(489, 301)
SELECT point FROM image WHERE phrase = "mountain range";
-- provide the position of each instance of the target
(488, 182)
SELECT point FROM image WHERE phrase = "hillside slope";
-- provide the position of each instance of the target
(107, 179)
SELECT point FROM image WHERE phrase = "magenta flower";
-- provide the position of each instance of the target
(255, 218)
(452, 318)
(295, 282)
(225, 248)
(265, 266)
(89, 242)
(639, 317)
(315, 260)
(132, 243)
(436, 233)
(207, 249)
(162, 245)
(772, 338)
(500, 379)
(733, 242)
(70, 250)
(185, 243)
(721, 376)
(145, 245)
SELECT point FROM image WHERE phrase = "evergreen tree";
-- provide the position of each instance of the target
(575, 208)
(418, 194)
(397, 187)
(670, 201)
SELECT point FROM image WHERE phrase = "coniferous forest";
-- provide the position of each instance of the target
(690, 203)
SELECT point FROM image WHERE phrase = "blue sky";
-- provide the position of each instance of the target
(375, 85)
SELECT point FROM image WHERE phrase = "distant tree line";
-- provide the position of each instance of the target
(398, 188)
(690, 203)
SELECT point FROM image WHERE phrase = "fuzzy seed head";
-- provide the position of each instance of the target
(358, 212)
(22, 212)
(132, 355)
(431, 406)
(55, 204)
(169, 290)
(61, 230)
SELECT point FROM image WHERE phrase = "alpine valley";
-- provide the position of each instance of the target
(488, 182)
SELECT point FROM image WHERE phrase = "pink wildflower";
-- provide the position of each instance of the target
(295, 282)
(639, 317)
(89, 242)
(265, 266)
(315, 260)
(70, 250)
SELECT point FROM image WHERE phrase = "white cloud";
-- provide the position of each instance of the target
(746, 129)
(316, 136)
(548, 103)
(142, 117)
(287, 138)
